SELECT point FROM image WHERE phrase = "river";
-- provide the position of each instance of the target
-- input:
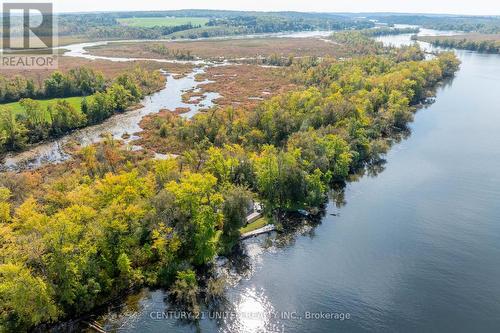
(126, 123)
(170, 97)
(415, 248)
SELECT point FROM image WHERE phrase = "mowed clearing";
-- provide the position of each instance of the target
(150, 22)
(18, 109)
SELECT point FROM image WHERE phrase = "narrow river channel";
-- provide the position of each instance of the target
(170, 98)
(415, 248)
(118, 125)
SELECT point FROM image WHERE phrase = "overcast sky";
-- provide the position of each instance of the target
(477, 7)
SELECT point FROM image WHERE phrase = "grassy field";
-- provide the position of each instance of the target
(17, 108)
(262, 222)
(149, 22)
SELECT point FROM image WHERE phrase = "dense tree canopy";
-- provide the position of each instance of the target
(114, 221)
(483, 24)
(102, 100)
(79, 81)
(485, 46)
(221, 23)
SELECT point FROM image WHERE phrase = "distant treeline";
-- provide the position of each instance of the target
(485, 46)
(483, 24)
(38, 123)
(385, 31)
(221, 23)
(274, 23)
(360, 44)
(221, 14)
(128, 32)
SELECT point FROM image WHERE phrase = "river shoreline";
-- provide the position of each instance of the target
(292, 224)
(52, 150)
(53, 139)
(119, 124)
(259, 297)
(245, 282)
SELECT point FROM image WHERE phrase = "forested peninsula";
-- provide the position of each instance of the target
(110, 221)
(480, 43)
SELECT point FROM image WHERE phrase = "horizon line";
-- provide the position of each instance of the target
(275, 11)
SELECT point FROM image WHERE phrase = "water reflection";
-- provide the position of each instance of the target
(416, 249)
(247, 310)
(254, 313)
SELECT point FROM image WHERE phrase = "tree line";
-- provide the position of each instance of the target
(484, 46)
(385, 31)
(482, 24)
(275, 23)
(100, 100)
(80, 81)
(220, 23)
(360, 43)
(115, 222)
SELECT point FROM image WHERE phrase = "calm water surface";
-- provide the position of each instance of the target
(414, 249)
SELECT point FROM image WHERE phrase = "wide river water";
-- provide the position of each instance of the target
(415, 248)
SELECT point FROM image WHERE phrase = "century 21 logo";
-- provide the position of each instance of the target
(27, 26)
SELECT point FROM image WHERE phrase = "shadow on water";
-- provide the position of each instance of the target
(239, 265)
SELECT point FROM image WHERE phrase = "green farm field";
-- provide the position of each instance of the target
(149, 22)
